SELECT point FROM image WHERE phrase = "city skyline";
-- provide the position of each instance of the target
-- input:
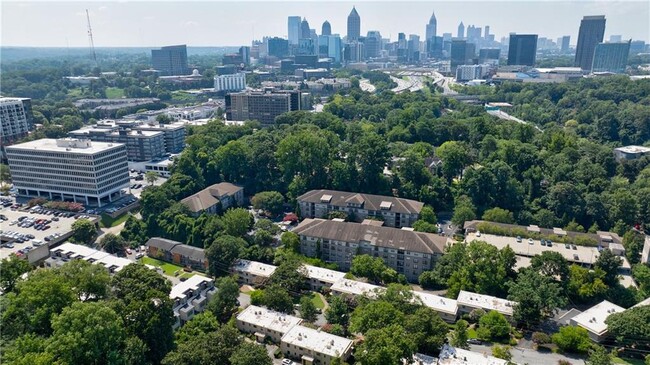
(134, 25)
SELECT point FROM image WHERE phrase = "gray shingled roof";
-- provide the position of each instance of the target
(379, 236)
(162, 243)
(209, 196)
(371, 202)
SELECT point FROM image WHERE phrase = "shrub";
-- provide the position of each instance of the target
(572, 339)
(541, 338)
(476, 314)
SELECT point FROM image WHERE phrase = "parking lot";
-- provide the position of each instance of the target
(139, 183)
(23, 230)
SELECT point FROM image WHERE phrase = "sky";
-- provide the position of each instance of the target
(233, 23)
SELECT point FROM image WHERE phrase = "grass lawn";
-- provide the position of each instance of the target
(318, 302)
(471, 333)
(618, 360)
(168, 268)
(114, 93)
(107, 221)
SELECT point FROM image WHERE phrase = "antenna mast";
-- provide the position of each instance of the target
(90, 39)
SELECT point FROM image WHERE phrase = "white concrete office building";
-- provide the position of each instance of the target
(14, 120)
(234, 82)
(92, 173)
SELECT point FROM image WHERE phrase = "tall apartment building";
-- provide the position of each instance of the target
(140, 145)
(262, 106)
(170, 60)
(522, 50)
(69, 169)
(406, 251)
(395, 212)
(592, 31)
(174, 134)
(229, 83)
(15, 119)
(471, 72)
(611, 57)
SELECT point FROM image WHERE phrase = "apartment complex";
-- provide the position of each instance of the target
(265, 323)
(215, 198)
(174, 134)
(264, 106)
(229, 83)
(320, 277)
(313, 346)
(170, 60)
(140, 145)
(406, 251)
(15, 119)
(394, 212)
(70, 251)
(468, 301)
(191, 297)
(177, 253)
(593, 319)
(69, 169)
(252, 272)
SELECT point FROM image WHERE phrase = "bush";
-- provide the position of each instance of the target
(67, 206)
(572, 339)
(476, 314)
(257, 297)
(36, 201)
(541, 338)
(493, 327)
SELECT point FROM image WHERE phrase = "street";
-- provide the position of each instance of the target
(530, 356)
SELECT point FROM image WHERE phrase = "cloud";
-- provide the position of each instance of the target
(191, 23)
(103, 8)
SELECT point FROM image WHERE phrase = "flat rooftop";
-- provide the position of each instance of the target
(323, 274)
(633, 149)
(593, 319)
(437, 303)
(354, 287)
(74, 251)
(271, 320)
(317, 341)
(456, 356)
(68, 146)
(254, 268)
(193, 283)
(486, 302)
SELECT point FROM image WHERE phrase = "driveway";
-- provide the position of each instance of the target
(530, 356)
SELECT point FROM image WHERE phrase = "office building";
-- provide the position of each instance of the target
(431, 29)
(305, 31)
(630, 152)
(637, 47)
(294, 29)
(177, 253)
(593, 319)
(140, 145)
(15, 119)
(326, 29)
(615, 38)
(191, 297)
(174, 133)
(170, 60)
(564, 43)
(306, 47)
(372, 44)
(471, 72)
(265, 323)
(461, 31)
(313, 346)
(230, 83)
(489, 55)
(522, 50)
(245, 54)
(334, 48)
(215, 198)
(408, 252)
(611, 57)
(278, 47)
(413, 48)
(592, 31)
(394, 212)
(69, 169)
(262, 106)
(354, 25)
(462, 53)
(468, 301)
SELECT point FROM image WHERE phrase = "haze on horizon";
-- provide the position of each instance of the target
(228, 23)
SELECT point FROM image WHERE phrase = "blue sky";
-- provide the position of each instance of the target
(228, 23)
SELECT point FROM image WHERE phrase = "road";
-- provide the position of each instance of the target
(365, 85)
(503, 115)
(530, 356)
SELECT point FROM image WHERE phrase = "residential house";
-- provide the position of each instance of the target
(177, 253)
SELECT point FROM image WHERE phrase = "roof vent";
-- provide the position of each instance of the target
(385, 205)
(325, 198)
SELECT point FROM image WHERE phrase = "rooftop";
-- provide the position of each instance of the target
(401, 239)
(209, 196)
(193, 283)
(74, 251)
(254, 267)
(354, 287)
(66, 145)
(593, 319)
(369, 201)
(317, 341)
(486, 302)
(457, 356)
(437, 303)
(271, 320)
(633, 149)
(323, 274)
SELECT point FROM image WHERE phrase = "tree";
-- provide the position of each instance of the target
(5, 174)
(375, 314)
(572, 339)
(278, 298)
(454, 157)
(609, 263)
(83, 231)
(386, 345)
(428, 215)
(633, 243)
(250, 354)
(307, 309)
(225, 301)
(87, 333)
(537, 297)
(631, 327)
(151, 177)
(290, 275)
(586, 285)
(498, 215)
(222, 253)
(135, 230)
(493, 326)
(551, 264)
(12, 269)
(112, 243)
(209, 347)
(237, 222)
(502, 352)
(428, 330)
(368, 267)
(270, 201)
(459, 336)
(89, 282)
(291, 241)
(599, 356)
(463, 211)
(337, 312)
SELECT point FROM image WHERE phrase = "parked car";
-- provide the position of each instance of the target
(519, 239)
(139, 256)
(530, 241)
(474, 341)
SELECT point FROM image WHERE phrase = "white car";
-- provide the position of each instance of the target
(287, 362)
(478, 233)
(530, 241)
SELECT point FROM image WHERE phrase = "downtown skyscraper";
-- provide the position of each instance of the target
(354, 25)
(294, 29)
(522, 50)
(592, 31)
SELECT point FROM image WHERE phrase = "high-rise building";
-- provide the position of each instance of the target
(461, 31)
(615, 38)
(354, 25)
(294, 30)
(637, 47)
(373, 44)
(334, 48)
(522, 49)
(262, 106)
(460, 50)
(69, 169)
(278, 47)
(305, 31)
(170, 60)
(611, 57)
(592, 31)
(245, 53)
(413, 48)
(471, 72)
(431, 30)
(15, 119)
(326, 28)
(140, 145)
(230, 83)
(564, 47)
(489, 55)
